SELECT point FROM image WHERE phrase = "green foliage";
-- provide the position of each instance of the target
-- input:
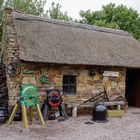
(55, 13)
(35, 7)
(1, 14)
(112, 16)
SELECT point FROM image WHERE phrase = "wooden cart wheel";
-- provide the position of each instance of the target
(121, 98)
(13, 69)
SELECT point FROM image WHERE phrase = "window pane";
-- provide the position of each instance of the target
(72, 80)
(72, 89)
(65, 79)
(65, 89)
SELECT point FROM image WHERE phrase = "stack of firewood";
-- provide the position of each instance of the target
(3, 87)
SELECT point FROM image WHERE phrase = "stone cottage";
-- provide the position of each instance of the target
(76, 58)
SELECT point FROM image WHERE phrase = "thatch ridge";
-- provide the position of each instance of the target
(70, 23)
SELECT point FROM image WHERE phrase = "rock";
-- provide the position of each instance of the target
(97, 77)
(81, 88)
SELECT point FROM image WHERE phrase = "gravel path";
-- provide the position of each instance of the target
(126, 128)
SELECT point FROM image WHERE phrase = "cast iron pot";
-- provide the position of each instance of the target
(100, 113)
(3, 114)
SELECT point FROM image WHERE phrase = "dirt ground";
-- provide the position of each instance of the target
(126, 128)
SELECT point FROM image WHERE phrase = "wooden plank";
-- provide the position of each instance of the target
(113, 103)
(87, 105)
(111, 74)
(70, 105)
(115, 113)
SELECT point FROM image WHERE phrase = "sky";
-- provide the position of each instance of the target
(72, 7)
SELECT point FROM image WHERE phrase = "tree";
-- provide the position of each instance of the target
(1, 14)
(112, 16)
(35, 7)
(55, 13)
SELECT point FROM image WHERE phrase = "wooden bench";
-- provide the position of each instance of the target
(75, 106)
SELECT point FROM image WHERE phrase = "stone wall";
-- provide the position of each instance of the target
(87, 85)
(10, 53)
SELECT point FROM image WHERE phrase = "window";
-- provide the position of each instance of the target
(69, 84)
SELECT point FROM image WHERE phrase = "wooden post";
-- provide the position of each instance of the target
(24, 117)
(13, 114)
(74, 112)
(40, 115)
(30, 113)
(119, 107)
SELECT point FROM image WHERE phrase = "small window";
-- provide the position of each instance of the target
(69, 84)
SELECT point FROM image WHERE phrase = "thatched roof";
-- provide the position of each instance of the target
(54, 41)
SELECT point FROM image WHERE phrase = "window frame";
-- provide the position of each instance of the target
(69, 85)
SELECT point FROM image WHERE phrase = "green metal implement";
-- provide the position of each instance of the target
(29, 96)
(44, 79)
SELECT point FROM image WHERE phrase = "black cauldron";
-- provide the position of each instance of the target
(99, 113)
(3, 114)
